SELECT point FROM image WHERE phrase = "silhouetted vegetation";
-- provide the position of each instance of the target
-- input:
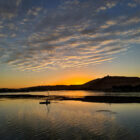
(127, 88)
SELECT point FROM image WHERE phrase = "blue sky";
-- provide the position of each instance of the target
(67, 37)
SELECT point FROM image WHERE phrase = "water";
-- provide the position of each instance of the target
(23, 119)
(77, 93)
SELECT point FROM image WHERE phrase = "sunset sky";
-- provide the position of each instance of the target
(49, 42)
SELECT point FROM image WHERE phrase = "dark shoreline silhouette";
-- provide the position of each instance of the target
(108, 83)
(100, 99)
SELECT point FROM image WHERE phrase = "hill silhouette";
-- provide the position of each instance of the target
(114, 83)
(108, 83)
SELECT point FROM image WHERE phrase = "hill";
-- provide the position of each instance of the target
(108, 83)
(114, 83)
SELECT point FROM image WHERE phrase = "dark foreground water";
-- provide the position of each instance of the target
(23, 119)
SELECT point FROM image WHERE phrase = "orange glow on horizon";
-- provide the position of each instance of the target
(74, 80)
(65, 78)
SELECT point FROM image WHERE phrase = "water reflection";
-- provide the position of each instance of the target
(78, 93)
(106, 111)
(47, 102)
(27, 119)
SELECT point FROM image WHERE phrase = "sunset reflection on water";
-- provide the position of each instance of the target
(23, 118)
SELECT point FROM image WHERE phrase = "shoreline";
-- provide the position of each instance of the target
(100, 99)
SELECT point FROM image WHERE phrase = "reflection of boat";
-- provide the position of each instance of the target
(47, 102)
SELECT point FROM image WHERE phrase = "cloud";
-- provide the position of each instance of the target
(9, 8)
(34, 11)
(18, 2)
(132, 5)
(74, 33)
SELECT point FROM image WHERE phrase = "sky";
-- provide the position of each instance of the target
(51, 42)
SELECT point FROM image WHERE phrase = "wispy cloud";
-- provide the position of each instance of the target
(72, 33)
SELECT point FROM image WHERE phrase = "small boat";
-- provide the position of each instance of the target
(46, 102)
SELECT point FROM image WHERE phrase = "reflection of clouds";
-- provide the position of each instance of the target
(83, 117)
(75, 33)
(66, 118)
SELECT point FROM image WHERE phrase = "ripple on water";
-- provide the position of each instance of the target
(21, 119)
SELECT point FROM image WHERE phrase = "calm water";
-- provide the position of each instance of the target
(78, 93)
(22, 119)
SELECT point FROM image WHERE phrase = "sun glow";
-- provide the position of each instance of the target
(73, 80)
